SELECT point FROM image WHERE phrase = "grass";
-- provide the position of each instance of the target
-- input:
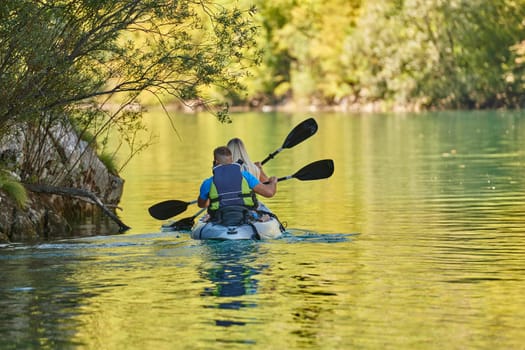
(14, 189)
(109, 161)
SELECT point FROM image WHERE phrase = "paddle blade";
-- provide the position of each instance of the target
(184, 224)
(167, 209)
(300, 133)
(320, 169)
(187, 223)
(180, 225)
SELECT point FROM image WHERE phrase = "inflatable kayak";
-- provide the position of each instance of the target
(254, 230)
(238, 223)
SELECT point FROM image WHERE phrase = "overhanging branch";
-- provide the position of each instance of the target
(77, 193)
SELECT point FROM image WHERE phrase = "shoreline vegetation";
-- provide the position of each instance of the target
(292, 106)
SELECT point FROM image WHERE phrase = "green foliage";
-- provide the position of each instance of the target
(435, 54)
(92, 60)
(303, 46)
(109, 161)
(470, 42)
(14, 189)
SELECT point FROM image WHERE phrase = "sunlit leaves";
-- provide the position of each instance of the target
(93, 60)
(410, 53)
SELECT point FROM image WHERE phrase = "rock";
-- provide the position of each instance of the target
(63, 160)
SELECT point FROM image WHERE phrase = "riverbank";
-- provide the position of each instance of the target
(49, 216)
(73, 186)
(345, 105)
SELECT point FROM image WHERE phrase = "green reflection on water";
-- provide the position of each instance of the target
(437, 261)
(421, 168)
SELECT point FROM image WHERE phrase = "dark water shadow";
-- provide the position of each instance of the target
(295, 235)
(232, 268)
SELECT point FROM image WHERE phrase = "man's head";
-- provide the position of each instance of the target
(222, 155)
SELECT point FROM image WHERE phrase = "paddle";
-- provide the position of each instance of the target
(184, 223)
(301, 132)
(167, 209)
(317, 170)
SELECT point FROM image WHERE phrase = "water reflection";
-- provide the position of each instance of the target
(39, 301)
(229, 266)
(439, 261)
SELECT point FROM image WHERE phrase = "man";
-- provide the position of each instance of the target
(229, 186)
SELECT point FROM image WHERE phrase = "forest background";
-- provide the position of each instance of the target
(400, 54)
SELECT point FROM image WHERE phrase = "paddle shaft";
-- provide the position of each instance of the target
(193, 217)
(271, 155)
(284, 178)
(301, 132)
(317, 170)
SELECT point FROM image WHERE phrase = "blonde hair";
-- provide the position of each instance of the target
(238, 150)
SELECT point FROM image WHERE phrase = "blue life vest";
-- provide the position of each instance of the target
(229, 187)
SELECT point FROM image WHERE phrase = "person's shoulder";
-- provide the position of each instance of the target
(246, 173)
(207, 180)
(252, 180)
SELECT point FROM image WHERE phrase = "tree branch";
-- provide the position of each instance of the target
(78, 193)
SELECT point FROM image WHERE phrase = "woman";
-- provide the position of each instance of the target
(239, 153)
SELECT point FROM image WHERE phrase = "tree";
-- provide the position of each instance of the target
(88, 62)
(304, 47)
(444, 54)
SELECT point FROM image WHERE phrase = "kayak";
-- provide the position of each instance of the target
(230, 223)
(255, 230)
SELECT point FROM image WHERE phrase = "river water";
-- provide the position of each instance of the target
(416, 242)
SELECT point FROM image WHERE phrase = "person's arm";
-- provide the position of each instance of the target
(267, 189)
(203, 203)
(262, 175)
(202, 200)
